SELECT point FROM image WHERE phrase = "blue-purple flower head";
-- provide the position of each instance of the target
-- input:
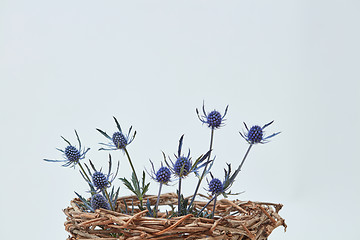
(100, 180)
(256, 134)
(72, 154)
(118, 140)
(216, 186)
(183, 165)
(162, 175)
(99, 201)
(214, 119)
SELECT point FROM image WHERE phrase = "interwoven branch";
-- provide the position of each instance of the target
(237, 219)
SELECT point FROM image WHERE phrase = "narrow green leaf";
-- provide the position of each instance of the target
(145, 189)
(127, 184)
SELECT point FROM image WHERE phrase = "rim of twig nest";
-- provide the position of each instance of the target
(233, 219)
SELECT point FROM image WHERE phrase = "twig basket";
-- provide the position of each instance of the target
(240, 220)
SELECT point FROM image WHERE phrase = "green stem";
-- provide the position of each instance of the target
(137, 180)
(157, 201)
(213, 212)
(179, 194)
(82, 169)
(206, 205)
(242, 162)
(110, 202)
(132, 166)
(203, 173)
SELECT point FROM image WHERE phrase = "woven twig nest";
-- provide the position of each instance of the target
(241, 220)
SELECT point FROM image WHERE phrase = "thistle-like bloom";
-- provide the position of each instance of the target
(118, 140)
(162, 175)
(101, 181)
(72, 155)
(183, 165)
(256, 134)
(213, 119)
(216, 186)
(99, 201)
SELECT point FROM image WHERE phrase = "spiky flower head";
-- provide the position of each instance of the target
(216, 186)
(183, 165)
(72, 155)
(213, 119)
(163, 175)
(256, 134)
(118, 140)
(100, 180)
(99, 201)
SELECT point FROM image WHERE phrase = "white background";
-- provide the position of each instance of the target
(68, 65)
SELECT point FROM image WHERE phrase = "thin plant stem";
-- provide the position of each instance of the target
(179, 194)
(242, 162)
(213, 212)
(110, 202)
(203, 173)
(206, 204)
(82, 169)
(158, 199)
(132, 166)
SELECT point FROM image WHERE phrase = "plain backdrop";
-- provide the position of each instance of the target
(68, 65)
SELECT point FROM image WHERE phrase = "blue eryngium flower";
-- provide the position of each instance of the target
(99, 201)
(256, 134)
(213, 119)
(162, 175)
(100, 181)
(72, 155)
(118, 140)
(183, 165)
(216, 186)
